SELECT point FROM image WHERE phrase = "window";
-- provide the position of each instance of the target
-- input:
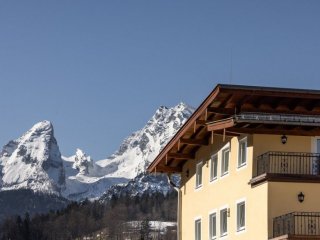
(212, 226)
(199, 175)
(225, 161)
(242, 155)
(223, 222)
(241, 216)
(197, 229)
(213, 167)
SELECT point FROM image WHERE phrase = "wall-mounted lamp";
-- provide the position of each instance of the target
(284, 139)
(187, 173)
(300, 197)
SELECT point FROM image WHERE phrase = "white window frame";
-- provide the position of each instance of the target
(216, 225)
(212, 169)
(243, 228)
(245, 141)
(314, 144)
(223, 150)
(199, 179)
(197, 220)
(225, 208)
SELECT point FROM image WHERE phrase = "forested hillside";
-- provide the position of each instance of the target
(81, 219)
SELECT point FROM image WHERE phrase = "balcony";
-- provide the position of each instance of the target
(287, 166)
(297, 225)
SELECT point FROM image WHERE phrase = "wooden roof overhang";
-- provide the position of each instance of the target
(232, 110)
(263, 123)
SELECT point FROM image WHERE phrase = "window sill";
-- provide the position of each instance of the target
(224, 174)
(242, 166)
(223, 236)
(213, 180)
(241, 230)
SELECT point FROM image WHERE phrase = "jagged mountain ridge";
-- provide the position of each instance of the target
(138, 150)
(34, 161)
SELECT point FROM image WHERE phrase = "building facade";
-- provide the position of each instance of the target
(250, 165)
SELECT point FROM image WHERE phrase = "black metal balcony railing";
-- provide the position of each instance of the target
(288, 163)
(297, 223)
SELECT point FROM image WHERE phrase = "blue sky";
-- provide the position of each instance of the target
(99, 69)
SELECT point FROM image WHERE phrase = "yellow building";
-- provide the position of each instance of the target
(250, 165)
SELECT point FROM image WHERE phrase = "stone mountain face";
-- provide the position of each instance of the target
(82, 162)
(33, 161)
(138, 150)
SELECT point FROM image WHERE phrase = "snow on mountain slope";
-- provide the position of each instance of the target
(86, 179)
(33, 161)
(89, 179)
(138, 150)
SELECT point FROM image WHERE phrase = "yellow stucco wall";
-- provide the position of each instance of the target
(225, 191)
(265, 143)
(263, 202)
(283, 199)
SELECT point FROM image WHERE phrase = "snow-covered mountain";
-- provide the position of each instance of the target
(86, 179)
(138, 150)
(34, 161)
(135, 153)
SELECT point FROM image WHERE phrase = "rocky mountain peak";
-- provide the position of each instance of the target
(140, 148)
(82, 162)
(33, 161)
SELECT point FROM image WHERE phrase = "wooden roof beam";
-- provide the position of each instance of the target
(168, 169)
(244, 98)
(226, 111)
(227, 123)
(283, 104)
(265, 107)
(201, 122)
(197, 142)
(248, 106)
(316, 107)
(227, 133)
(181, 156)
(227, 101)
